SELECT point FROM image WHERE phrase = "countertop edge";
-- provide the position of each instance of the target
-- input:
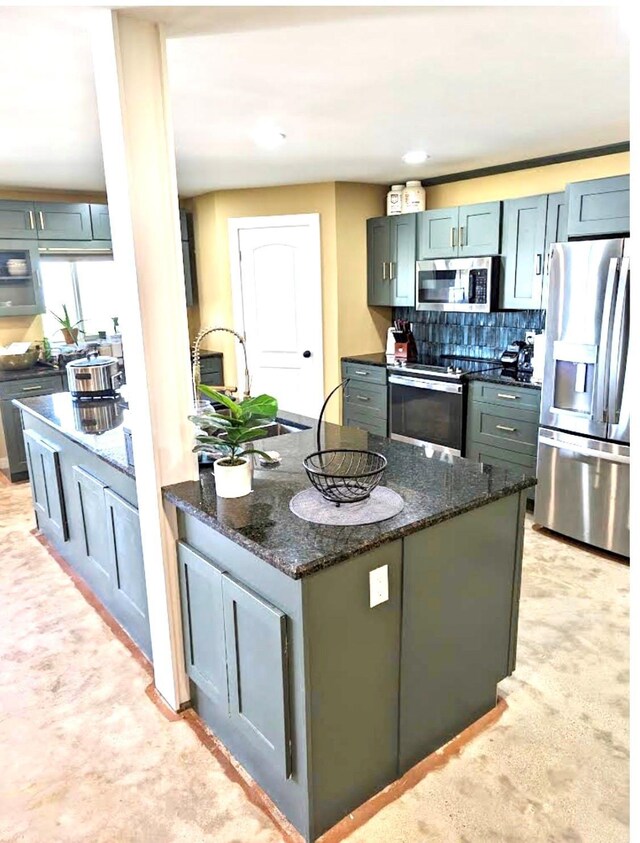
(128, 471)
(327, 561)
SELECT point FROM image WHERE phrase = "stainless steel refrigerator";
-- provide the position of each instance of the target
(584, 439)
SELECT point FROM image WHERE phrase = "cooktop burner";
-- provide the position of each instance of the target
(447, 367)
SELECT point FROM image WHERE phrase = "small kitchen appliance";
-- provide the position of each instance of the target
(94, 376)
(518, 355)
(405, 350)
(458, 284)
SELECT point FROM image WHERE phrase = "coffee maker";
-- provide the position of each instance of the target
(518, 356)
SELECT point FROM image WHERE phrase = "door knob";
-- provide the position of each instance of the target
(306, 354)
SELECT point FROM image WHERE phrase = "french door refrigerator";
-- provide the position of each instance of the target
(583, 439)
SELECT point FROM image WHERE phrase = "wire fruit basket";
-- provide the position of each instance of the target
(343, 475)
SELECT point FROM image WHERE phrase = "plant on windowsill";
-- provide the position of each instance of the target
(69, 331)
(231, 433)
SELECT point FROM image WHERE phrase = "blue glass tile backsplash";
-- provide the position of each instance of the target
(482, 335)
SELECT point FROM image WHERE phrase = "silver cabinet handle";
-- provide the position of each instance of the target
(392, 270)
(357, 372)
(32, 223)
(461, 241)
(29, 388)
(510, 397)
(504, 427)
(384, 270)
(453, 237)
(41, 220)
(362, 398)
(539, 264)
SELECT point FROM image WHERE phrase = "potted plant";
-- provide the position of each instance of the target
(232, 433)
(69, 331)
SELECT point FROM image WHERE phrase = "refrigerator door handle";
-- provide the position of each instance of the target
(586, 452)
(615, 367)
(601, 405)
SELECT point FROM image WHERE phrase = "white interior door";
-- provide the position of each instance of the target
(278, 305)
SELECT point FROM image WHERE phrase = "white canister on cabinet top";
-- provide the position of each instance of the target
(394, 200)
(414, 198)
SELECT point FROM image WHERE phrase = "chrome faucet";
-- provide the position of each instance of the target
(195, 369)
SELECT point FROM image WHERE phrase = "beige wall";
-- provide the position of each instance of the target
(547, 179)
(348, 325)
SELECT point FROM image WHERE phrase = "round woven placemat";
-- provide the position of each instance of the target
(382, 503)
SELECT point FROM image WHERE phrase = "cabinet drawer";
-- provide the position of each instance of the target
(209, 364)
(505, 459)
(363, 396)
(506, 396)
(365, 420)
(358, 371)
(31, 386)
(516, 430)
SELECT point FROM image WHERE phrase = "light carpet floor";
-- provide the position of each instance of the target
(85, 755)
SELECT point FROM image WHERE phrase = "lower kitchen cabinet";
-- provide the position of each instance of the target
(11, 421)
(211, 370)
(364, 402)
(46, 485)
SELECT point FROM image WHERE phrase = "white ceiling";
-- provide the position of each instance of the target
(353, 88)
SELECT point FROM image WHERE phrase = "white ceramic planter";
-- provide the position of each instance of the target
(233, 481)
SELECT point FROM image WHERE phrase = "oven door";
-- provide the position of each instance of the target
(427, 411)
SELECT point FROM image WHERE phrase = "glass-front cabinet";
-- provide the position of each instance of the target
(20, 287)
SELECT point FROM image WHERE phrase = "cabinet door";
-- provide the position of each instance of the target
(126, 562)
(402, 265)
(20, 289)
(14, 439)
(256, 644)
(438, 234)
(17, 220)
(188, 261)
(184, 225)
(599, 206)
(523, 248)
(62, 221)
(93, 524)
(100, 224)
(46, 485)
(203, 624)
(479, 229)
(378, 258)
(555, 232)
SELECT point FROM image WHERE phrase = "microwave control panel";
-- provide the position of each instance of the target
(478, 281)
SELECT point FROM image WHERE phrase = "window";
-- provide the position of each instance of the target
(88, 287)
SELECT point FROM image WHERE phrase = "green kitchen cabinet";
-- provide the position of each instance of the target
(97, 563)
(523, 248)
(463, 231)
(20, 285)
(43, 458)
(17, 220)
(100, 225)
(391, 258)
(599, 207)
(63, 221)
(555, 232)
(364, 398)
(211, 370)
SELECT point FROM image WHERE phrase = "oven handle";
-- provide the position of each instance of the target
(423, 383)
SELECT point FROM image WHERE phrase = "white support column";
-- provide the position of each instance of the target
(139, 162)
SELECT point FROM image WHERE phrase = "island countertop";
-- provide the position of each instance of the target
(434, 486)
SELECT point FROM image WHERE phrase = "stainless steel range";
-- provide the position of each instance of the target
(428, 401)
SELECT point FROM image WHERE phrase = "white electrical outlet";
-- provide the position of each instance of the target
(378, 586)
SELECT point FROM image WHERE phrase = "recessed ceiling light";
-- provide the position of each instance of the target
(269, 137)
(415, 156)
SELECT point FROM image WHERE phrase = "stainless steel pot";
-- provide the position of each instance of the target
(94, 376)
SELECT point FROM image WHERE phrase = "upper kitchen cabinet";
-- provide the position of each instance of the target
(555, 232)
(100, 225)
(20, 290)
(63, 221)
(17, 220)
(523, 248)
(464, 231)
(599, 207)
(391, 257)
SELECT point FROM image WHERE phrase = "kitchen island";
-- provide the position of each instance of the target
(328, 683)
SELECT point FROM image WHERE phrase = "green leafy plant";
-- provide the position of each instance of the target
(69, 330)
(116, 323)
(233, 431)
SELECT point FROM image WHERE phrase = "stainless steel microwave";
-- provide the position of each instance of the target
(467, 284)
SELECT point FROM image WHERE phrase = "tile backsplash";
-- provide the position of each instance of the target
(483, 335)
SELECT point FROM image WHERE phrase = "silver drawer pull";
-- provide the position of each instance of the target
(366, 374)
(362, 398)
(29, 388)
(510, 397)
(504, 427)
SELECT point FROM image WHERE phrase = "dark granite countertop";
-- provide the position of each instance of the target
(33, 372)
(506, 377)
(435, 486)
(74, 420)
(378, 358)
